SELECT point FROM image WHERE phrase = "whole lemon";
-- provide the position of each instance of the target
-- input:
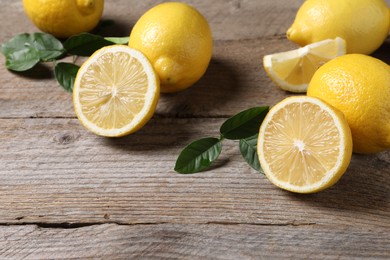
(363, 24)
(64, 18)
(359, 86)
(177, 40)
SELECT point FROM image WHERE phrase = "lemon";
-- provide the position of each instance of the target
(304, 145)
(293, 70)
(363, 24)
(359, 86)
(177, 40)
(64, 18)
(115, 91)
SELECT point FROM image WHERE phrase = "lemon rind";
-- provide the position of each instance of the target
(297, 53)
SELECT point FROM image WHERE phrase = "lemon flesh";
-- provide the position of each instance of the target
(293, 70)
(177, 40)
(359, 86)
(304, 145)
(116, 91)
(363, 24)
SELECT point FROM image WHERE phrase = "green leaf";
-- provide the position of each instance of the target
(15, 44)
(85, 44)
(244, 124)
(198, 155)
(47, 45)
(23, 51)
(248, 149)
(66, 74)
(118, 40)
(22, 60)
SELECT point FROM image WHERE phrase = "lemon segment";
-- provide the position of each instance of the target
(304, 145)
(293, 70)
(116, 91)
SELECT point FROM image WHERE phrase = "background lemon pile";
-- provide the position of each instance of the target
(333, 66)
(116, 91)
(305, 143)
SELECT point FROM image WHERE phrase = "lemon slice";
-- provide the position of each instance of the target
(115, 91)
(293, 70)
(304, 145)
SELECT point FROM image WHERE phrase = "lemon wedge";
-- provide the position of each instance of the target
(115, 91)
(293, 70)
(304, 145)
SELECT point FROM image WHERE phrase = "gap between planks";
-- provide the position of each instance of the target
(74, 225)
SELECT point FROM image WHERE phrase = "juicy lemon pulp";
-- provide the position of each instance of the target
(304, 146)
(113, 82)
(310, 155)
(116, 91)
(293, 70)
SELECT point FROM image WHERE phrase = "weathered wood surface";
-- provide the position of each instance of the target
(54, 171)
(212, 241)
(66, 193)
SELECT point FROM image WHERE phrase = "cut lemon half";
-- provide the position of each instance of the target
(115, 91)
(293, 70)
(304, 145)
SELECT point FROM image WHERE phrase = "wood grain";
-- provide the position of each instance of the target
(166, 241)
(229, 19)
(54, 171)
(68, 194)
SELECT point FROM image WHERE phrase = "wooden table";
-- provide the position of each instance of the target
(67, 193)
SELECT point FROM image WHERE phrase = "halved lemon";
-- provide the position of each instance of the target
(293, 70)
(116, 91)
(304, 145)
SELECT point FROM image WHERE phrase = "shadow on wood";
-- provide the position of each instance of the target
(113, 27)
(218, 86)
(156, 135)
(39, 71)
(362, 186)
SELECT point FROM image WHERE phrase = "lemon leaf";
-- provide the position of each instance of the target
(22, 60)
(248, 149)
(244, 124)
(118, 40)
(85, 44)
(65, 74)
(25, 50)
(198, 155)
(47, 45)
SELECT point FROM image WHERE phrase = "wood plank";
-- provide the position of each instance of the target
(167, 241)
(54, 171)
(228, 19)
(66, 193)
